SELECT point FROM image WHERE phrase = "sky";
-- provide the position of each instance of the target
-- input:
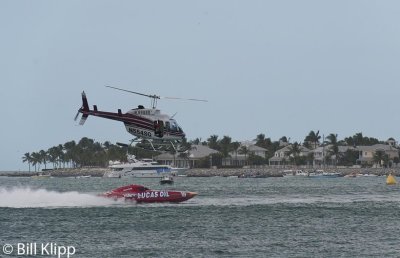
(281, 68)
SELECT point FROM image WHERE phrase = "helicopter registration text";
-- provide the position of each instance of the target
(139, 132)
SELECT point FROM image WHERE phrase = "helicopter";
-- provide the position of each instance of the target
(149, 125)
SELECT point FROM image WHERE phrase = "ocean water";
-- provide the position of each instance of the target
(254, 217)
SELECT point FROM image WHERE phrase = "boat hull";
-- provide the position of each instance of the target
(142, 194)
(327, 175)
(145, 174)
(137, 174)
(166, 182)
(139, 168)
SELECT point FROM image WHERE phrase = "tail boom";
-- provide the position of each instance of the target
(119, 116)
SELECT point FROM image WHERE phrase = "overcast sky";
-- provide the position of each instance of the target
(281, 68)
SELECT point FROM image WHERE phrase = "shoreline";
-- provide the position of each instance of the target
(278, 172)
(204, 172)
(63, 172)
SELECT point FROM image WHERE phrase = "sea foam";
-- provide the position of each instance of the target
(26, 197)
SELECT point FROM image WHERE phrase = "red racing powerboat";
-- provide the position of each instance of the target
(143, 194)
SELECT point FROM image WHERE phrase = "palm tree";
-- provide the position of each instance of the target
(313, 137)
(244, 150)
(358, 139)
(225, 145)
(294, 151)
(380, 157)
(43, 157)
(310, 158)
(184, 145)
(212, 142)
(283, 139)
(52, 156)
(85, 152)
(36, 159)
(334, 146)
(61, 155)
(184, 148)
(263, 142)
(69, 148)
(235, 148)
(196, 141)
(27, 158)
(107, 145)
(260, 138)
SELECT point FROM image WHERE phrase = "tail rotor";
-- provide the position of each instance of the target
(84, 110)
(77, 114)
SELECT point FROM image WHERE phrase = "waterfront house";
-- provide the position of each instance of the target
(366, 153)
(240, 159)
(189, 158)
(282, 156)
(323, 152)
(256, 150)
(392, 142)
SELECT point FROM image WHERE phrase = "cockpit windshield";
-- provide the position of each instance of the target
(173, 126)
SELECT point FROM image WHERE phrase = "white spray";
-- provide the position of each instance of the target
(25, 197)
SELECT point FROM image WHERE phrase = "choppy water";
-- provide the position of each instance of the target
(264, 217)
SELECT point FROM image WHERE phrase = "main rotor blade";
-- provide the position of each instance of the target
(77, 114)
(203, 100)
(154, 96)
(138, 93)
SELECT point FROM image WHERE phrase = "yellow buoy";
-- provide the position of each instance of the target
(391, 180)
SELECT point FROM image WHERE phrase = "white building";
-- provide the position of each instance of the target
(189, 159)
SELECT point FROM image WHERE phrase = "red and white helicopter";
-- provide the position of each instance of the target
(149, 124)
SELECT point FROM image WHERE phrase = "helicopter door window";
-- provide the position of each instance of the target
(174, 126)
(159, 128)
(167, 126)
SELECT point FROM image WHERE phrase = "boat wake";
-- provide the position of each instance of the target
(25, 197)
(293, 200)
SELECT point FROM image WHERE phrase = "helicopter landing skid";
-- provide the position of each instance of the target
(162, 146)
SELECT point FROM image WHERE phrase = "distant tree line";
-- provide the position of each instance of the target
(87, 152)
(226, 147)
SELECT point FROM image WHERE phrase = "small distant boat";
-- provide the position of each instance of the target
(289, 173)
(41, 176)
(145, 168)
(354, 174)
(391, 180)
(167, 180)
(325, 175)
(369, 175)
(88, 176)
